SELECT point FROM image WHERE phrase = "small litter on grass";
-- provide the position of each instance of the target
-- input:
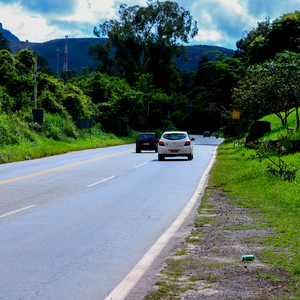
(247, 257)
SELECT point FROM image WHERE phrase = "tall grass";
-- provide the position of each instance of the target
(22, 140)
(47, 147)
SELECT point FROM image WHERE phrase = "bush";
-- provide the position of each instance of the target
(13, 130)
(6, 102)
(76, 106)
(50, 104)
(59, 128)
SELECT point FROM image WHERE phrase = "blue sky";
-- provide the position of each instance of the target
(220, 22)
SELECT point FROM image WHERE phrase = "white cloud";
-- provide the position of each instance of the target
(93, 10)
(233, 5)
(208, 36)
(27, 27)
(220, 22)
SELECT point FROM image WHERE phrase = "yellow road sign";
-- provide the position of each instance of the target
(236, 114)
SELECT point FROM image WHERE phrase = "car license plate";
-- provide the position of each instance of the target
(173, 151)
(146, 144)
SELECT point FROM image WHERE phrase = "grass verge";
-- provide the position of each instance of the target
(274, 205)
(43, 146)
(20, 139)
(276, 200)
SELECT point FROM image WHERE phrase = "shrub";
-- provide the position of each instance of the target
(50, 104)
(58, 127)
(13, 130)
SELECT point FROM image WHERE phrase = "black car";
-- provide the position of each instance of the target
(146, 141)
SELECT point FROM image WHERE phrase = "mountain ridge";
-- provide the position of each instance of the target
(7, 34)
(78, 53)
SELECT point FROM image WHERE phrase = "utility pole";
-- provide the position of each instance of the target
(57, 58)
(66, 55)
(148, 115)
(37, 113)
(35, 83)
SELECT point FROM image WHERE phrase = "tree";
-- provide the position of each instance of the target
(153, 104)
(43, 66)
(4, 43)
(145, 39)
(16, 79)
(284, 35)
(271, 87)
(254, 36)
(267, 39)
(100, 54)
(25, 60)
(218, 77)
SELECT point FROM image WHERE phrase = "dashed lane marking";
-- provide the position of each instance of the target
(103, 180)
(16, 211)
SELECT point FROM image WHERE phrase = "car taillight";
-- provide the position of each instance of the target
(187, 143)
(161, 143)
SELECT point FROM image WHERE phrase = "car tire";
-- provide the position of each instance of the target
(161, 157)
(190, 157)
(138, 150)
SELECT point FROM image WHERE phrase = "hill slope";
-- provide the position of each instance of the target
(7, 34)
(78, 53)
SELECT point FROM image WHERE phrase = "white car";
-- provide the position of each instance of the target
(175, 143)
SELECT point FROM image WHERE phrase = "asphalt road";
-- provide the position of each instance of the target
(73, 226)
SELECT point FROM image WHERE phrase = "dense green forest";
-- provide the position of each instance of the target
(136, 85)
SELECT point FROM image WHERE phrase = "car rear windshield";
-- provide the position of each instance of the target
(143, 137)
(174, 136)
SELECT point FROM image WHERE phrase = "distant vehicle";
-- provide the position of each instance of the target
(206, 133)
(175, 143)
(146, 141)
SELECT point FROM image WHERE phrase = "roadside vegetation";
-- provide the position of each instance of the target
(271, 202)
(21, 140)
(248, 181)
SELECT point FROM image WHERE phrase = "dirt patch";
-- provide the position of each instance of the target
(208, 265)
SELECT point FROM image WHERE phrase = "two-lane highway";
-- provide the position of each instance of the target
(73, 226)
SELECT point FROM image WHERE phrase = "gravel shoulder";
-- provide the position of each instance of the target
(205, 263)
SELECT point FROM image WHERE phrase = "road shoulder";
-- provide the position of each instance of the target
(207, 262)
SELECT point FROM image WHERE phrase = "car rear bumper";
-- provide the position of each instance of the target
(175, 152)
(146, 147)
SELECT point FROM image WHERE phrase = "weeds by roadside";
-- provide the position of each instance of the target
(276, 200)
(245, 211)
(20, 140)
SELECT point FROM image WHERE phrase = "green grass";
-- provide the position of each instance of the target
(172, 286)
(248, 182)
(278, 129)
(242, 226)
(219, 265)
(182, 251)
(22, 140)
(201, 221)
(46, 147)
(193, 238)
(168, 289)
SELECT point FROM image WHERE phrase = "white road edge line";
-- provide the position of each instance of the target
(98, 182)
(124, 287)
(140, 165)
(16, 211)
